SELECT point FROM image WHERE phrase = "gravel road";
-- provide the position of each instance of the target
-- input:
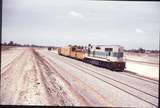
(40, 77)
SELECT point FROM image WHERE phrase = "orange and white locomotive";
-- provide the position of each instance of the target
(107, 56)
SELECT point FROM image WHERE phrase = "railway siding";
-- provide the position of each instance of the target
(78, 64)
(40, 77)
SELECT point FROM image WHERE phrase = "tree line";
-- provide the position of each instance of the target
(142, 50)
(12, 43)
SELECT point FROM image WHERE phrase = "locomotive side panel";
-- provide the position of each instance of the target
(110, 57)
(80, 55)
(73, 54)
(65, 51)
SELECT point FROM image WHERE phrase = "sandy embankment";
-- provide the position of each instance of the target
(143, 65)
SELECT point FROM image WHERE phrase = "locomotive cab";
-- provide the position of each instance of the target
(109, 56)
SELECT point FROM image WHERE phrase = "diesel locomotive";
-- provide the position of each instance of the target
(107, 56)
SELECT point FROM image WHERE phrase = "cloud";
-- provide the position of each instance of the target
(76, 14)
(139, 30)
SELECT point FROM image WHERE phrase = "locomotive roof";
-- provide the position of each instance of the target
(96, 45)
(108, 45)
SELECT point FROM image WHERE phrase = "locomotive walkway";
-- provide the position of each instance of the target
(40, 77)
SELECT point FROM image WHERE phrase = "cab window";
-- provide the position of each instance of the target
(108, 49)
(98, 48)
(118, 54)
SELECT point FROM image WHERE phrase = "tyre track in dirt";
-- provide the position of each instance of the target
(30, 81)
(11, 54)
(54, 90)
(83, 90)
(50, 81)
(9, 65)
(9, 79)
(32, 92)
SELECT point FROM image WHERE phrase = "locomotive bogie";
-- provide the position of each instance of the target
(116, 66)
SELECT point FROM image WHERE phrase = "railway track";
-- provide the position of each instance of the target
(82, 68)
(81, 96)
(125, 73)
(143, 62)
(143, 78)
(141, 97)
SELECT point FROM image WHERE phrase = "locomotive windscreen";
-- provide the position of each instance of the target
(108, 49)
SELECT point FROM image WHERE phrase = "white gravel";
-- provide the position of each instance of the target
(45, 78)
(113, 95)
(146, 65)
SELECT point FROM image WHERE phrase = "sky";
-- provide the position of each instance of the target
(80, 22)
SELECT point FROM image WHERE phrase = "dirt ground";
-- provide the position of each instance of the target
(143, 64)
(28, 79)
(31, 82)
(32, 76)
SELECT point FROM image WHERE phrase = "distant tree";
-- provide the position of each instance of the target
(154, 51)
(75, 45)
(26, 45)
(82, 47)
(85, 47)
(49, 48)
(32, 45)
(79, 47)
(69, 45)
(141, 50)
(11, 43)
(4, 43)
(16, 44)
(89, 45)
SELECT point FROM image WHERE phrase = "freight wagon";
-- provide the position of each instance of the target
(73, 52)
(66, 51)
(107, 56)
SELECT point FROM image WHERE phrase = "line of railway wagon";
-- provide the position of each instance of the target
(106, 56)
